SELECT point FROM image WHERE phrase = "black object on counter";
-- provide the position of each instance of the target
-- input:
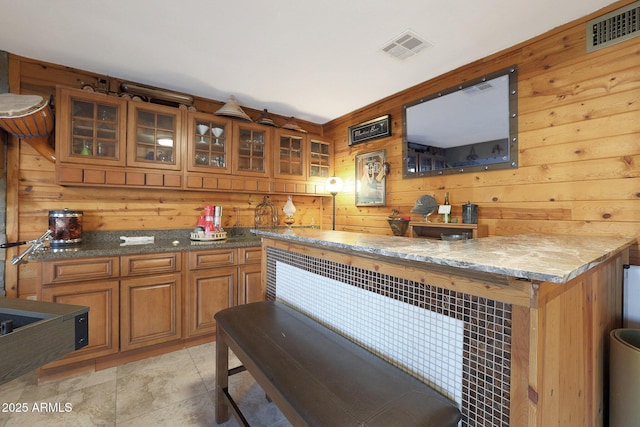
(6, 327)
(469, 213)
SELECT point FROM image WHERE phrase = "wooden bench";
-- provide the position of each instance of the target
(317, 377)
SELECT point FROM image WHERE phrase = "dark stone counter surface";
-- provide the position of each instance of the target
(108, 243)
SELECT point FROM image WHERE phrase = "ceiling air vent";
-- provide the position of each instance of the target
(614, 27)
(405, 45)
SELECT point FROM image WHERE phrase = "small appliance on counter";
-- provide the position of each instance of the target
(65, 227)
(469, 213)
(209, 225)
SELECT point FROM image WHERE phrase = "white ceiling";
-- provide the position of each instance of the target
(312, 60)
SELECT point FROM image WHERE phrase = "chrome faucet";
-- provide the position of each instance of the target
(35, 245)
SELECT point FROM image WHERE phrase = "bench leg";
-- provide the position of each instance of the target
(222, 377)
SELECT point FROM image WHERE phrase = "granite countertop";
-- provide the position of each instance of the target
(108, 243)
(548, 258)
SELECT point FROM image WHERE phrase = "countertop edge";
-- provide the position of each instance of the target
(460, 256)
(159, 246)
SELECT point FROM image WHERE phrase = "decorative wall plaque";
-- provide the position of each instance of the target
(372, 129)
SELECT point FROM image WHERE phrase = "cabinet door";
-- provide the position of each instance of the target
(320, 159)
(252, 144)
(250, 287)
(290, 154)
(150, 310)
(208, 292)
(209, 143)
(154, 136)
(102, 298)
(90, 128)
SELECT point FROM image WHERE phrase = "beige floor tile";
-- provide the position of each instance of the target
(93, 405)
(174, 389)
(196, 411)
(155, 385)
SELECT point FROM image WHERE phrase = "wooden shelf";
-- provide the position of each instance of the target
(432, 230)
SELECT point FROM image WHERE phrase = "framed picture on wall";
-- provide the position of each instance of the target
(371, 179)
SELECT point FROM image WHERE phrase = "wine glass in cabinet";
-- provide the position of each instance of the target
(209, 140)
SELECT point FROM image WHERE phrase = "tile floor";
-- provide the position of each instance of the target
(175, 389)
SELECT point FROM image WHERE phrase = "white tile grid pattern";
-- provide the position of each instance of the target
(486, 372)
(424, 343)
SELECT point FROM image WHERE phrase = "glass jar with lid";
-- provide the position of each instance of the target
(266, 215)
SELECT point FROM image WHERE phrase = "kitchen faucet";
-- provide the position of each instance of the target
(34, 246)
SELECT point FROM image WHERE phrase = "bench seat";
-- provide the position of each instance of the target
(317, 377)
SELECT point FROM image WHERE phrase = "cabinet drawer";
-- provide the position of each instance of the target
(212, 258)
(150, 264)
(250, 255)
(81, 269)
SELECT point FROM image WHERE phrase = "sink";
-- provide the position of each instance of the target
(34, 333)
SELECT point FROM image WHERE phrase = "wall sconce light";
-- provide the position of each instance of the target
(334, 186)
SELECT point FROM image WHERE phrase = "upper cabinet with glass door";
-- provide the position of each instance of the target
(252, 145)
(320, 158)
(90, 126)
(209, 143)
(290, 154)
(154, 135)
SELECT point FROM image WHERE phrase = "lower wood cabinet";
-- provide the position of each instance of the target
(250, 284)
(102, 298)
(218, 279)
(150, 310)
(143, 300)
(209, 291)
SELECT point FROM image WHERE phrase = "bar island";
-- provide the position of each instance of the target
(512, 328)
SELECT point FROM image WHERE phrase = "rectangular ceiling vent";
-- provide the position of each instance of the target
(405, 45)
(614, 27)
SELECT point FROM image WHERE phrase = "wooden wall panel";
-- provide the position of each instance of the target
(129, 209)
(579, 144)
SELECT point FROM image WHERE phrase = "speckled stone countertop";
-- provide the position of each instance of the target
(548, 258)
(108, 243)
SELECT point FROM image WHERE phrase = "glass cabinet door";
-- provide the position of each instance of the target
(209, 141)
(289, 154)
(92, 125)
(320, 161)
(252, 143)
(154, 132)
(411, 162)
(425, 162)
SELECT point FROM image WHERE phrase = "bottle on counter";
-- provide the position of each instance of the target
(446, 217)
(208, 216)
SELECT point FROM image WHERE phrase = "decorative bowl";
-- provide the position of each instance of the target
(398, 226)
(462, 236)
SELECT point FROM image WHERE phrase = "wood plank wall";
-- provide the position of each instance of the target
(579, 144)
